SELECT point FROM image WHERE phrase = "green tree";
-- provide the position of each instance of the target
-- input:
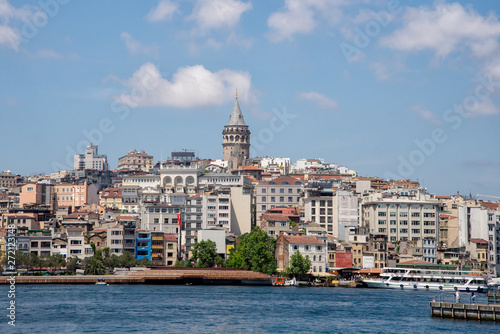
(205, 254)
(180, 264)
(144, 262)
(126, 260)
(254, 252)
(299, 265)
(72, 264)
(112, 262)
(293, 224)
(95, 266)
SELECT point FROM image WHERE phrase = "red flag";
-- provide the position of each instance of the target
(179, 219)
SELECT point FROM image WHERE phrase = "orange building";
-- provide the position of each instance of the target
(75, 195)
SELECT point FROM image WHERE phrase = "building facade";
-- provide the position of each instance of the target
(90, 160)
(136, 161)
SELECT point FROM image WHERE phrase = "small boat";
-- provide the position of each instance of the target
(430, 280)
(291, 282)
(101, 281)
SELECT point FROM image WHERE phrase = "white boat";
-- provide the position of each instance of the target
(292, 282)
(430, 280)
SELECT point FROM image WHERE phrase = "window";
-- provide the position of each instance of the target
(282, 190)
(273, 199)
(403, 214)
(290, 199)
(273, 190)
(263, 208)
(382, 214)
(282, 199)
(263, 198)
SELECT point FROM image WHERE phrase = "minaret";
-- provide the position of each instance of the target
(236, 139)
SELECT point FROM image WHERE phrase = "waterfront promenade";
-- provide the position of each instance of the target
(210, 276)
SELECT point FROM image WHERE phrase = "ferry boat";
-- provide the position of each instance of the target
(430, 280)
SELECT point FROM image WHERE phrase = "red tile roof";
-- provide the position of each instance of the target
(478, 241)
(303, 240)
(443, 197)
(170, 237)
(490, 205)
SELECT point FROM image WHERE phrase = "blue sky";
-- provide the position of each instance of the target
(400, 89)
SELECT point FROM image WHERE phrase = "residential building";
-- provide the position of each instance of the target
(170, 249)
(310, 246)
(143, 245)
(115, 240)
(33, 194)
(158, 249)
(7, 179)
(90, 160)
(111, 198)
(278, 221)
(280, 192)
(74, 195)
(407, 215)
(41, 243)
(76, 243)
(136, 161)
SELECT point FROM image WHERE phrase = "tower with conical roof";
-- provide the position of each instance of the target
(236, 139)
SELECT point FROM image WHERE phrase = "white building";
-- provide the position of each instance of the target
(410, 215)
(90, 160)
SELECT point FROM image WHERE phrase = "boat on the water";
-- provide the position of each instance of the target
(430, 280)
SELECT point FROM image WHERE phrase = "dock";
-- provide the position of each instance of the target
(180, 276)
(466, 311)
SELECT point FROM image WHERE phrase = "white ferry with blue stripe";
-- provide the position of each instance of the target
(430, 280)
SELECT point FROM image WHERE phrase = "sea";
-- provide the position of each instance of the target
(224, 309)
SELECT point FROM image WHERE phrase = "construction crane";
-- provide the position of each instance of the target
(487, 196)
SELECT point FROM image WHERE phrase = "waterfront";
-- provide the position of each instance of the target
(225, 309)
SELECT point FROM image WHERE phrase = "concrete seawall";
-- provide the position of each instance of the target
(465, 311)
(210, 276)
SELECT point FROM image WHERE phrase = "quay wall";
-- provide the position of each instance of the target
(210, 276)
(465, 311)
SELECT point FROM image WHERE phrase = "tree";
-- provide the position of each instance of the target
(112, 262)
(293, 224)
(205, 254)
(254, 252)
(299, 265)
(72, 264)
(95, 266)
(144, 262)
(126, 260)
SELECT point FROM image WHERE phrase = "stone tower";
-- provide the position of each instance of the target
(236, 139)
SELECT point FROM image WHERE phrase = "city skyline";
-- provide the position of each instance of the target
(388, 89)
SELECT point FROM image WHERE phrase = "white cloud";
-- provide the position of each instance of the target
(444, 29)
(10, 36)
(190, 87)
(164, 10)
(215, 14)
(427, 115)
(46, 53)
(299, 17)
(322, 101)
(135, 47)
(483, 108)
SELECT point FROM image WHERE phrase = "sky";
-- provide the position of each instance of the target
(394, 89)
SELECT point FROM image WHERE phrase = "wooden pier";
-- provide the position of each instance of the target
(209, 276)
(466, 311)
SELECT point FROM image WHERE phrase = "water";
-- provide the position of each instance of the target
(224, 309)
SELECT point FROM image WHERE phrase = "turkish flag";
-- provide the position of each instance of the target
(179, 219)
